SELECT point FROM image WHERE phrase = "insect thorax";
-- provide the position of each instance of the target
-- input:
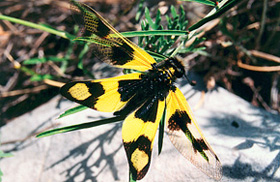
(154, 84)
(173, 66)
(163, 76)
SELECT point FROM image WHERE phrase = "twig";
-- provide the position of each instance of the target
(13, 103)
(38, 43)
(53, 83)
(23, 91)
(11, 82)
(258, 68)
(248, 81)
(56, 68)
(205, 28)
(265, 56)
(260, 55)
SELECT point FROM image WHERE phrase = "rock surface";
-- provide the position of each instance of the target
(245, 138)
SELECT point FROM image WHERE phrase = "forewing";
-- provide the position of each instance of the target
(186, 136)
(109, 45)
(102, 95)
(138, 133)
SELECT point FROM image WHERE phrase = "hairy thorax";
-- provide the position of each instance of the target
(154, 85)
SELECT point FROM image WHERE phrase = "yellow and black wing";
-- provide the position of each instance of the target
(102, 95)
(138, 133)
(108, 44)
(186, 136)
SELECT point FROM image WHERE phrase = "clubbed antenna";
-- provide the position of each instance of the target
(191, 82)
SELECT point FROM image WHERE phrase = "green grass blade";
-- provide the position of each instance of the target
(215, 13)
(73, 111)
(66, 35)
(80, 126)
(3, 154)
(161, 132)
(154, 32)
(206, 2)
(38, 77)
(156, 55)
(43, 27)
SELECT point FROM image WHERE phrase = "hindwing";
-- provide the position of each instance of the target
(138, 133)
(186, 136)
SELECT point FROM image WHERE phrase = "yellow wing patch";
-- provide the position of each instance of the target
(79, 91)
(139, 159)
(186, 136)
